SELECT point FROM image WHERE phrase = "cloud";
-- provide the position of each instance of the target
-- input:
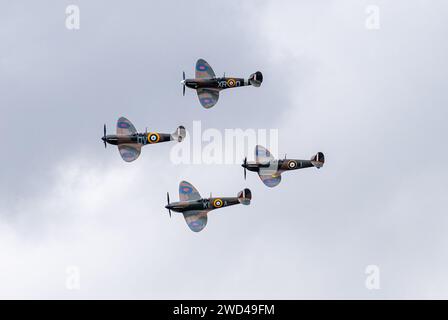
(372, 101)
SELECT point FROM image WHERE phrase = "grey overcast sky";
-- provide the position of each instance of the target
(374, 101)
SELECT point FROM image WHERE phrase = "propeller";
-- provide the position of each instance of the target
(104, 136)
(168, 200)
(183, 83)
(245, 166)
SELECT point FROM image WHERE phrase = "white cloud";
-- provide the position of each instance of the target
(373, 101)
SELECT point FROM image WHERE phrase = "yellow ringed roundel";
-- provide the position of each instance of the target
(218, 203)
(231, 82)
(153, 137)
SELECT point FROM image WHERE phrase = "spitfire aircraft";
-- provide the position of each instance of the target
(130, 142)
(208, 85)
(195, 208)
(270, 169)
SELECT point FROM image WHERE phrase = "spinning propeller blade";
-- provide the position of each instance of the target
(104, 136)
(244, 166)
(183, 83)
(168, 200)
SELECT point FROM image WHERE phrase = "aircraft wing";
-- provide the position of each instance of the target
(203, 70)
(270, 180)
(208, 97)
(125, 127)
(188, 192)
(129, 152)
(262, 155)
(196, 220)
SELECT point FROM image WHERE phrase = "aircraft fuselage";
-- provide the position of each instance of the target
(216, 83)
(139, 138)
(279, 165)
(202, 204)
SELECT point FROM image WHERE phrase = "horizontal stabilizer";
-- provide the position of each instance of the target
(179, 134)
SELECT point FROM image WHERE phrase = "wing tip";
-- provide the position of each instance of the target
(196, 220)
(123, 119)
(271, 182)
(129, 154)
(209, 106)
(208, 98)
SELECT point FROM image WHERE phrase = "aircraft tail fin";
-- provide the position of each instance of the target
(245, 196)
(318, 160)
(256, 79)
(179, 134)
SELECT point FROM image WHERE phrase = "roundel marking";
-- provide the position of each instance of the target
(186, 190)
(231, 82)
(123, 125)
(218, 203)
(292, 164)
(202, 67)
(153, 137)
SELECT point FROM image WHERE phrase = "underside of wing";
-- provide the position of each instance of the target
(188, 192)
(129, 152)
(203, 70)
(125, 127)
(196, 220)
(208, 97)
(271, 180)
(262, 155)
